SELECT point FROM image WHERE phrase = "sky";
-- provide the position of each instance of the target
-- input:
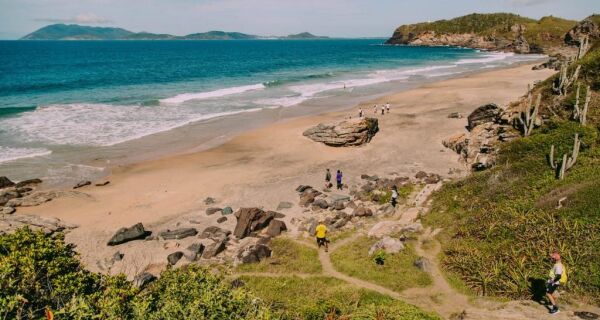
(336, 18)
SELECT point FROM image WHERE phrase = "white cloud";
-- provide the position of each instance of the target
(83, 18)
(529, 2)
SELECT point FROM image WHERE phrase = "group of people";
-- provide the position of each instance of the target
(383, 108)
(557, 276)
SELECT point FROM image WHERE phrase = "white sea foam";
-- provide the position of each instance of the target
(180, 98)
(487, 58)
(101, 124)
(10, 154)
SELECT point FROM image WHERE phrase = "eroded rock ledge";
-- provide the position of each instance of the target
(347, 133)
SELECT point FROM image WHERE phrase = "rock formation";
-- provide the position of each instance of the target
(10, 223)
(353, 132)
(123, 235)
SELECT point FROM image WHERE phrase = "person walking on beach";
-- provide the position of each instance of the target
(360, 112)
(394, 196)
(375, 109)
(387, 106)
(321, 234)
(327, 179)
(382, 110)
(338, 179)
(557, 277)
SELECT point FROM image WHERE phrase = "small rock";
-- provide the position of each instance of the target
(7, 210)
(214, 249)
(5, 182)
(123, 235)
(388, 244)
(455, 115)
(209, 200)
(221, 219)
(227, 211)
(276, 227)
(178, 233)
(28, 182)
(432, 178)
(339, 205)
(362, 212)
(195, 250)
(586, 315)
(302, 188)
(102, 184)
(321, 203)
(338, 197)
(284, 205)
(212, 210)
(215, 233)
(421, 175)
(306, 200)
(143, 279)
(118, 256)
(423, 264)
(81, 184)
(174, 257)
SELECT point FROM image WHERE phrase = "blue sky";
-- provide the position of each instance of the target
(345, 18)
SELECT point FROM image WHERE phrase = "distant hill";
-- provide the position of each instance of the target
(495, 31)
(78, 32)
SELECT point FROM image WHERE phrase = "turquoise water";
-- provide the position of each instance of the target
(57, 95)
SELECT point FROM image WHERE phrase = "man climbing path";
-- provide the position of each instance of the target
(321, 234)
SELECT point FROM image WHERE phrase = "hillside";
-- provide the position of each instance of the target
(78, 32)
(497, 31)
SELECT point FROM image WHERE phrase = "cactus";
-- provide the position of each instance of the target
(529, 116)
(584, 44)
(580, 113)
(564, 81)
(567, 161)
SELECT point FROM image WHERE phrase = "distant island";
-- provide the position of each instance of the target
(79, 32)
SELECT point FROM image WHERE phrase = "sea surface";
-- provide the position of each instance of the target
(71, 109)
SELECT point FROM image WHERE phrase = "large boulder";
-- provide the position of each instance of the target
(250, 220)
(178, 233)
(252, 254)
(7, 195)
(586, 27)
(123, 235)
(5, 182)
(214, 249)
(388, 244)
(353, 132)
(362, 212)
(321, 203)
(215, 233)
(276, 227)
(486, 113)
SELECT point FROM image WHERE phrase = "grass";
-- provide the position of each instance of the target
(288, 256)
(318, 297)
(398, 272)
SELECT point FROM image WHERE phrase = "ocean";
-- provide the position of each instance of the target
(71, 109)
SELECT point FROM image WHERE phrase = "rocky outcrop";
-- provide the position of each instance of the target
(252, 254)
(123, 235)
(353, 132)
(250, 220)
(10, 223)
(586, 27)
(486, 113)
(388, 244)
(5, 182)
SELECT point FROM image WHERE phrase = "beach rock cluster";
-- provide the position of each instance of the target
(347, 133)
(10, 223)
(252, 220)
(487, 126)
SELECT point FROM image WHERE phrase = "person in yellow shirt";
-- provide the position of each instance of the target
(557, 277)
(321, 234)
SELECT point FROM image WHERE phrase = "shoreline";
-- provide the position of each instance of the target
(261, 167)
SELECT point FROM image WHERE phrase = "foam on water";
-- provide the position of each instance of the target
(101, 124)
(10, 154)
(180, 98)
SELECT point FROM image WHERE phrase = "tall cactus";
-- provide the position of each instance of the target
(580, 113)
(564, 81)
(567, 161)
(584, 46)
(529, 116)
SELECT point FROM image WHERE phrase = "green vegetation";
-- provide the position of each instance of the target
(548, 31)
(39, 272)
(318, 297)
(288, 256)
(353, 259)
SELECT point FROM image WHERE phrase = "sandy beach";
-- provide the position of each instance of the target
(262, 167)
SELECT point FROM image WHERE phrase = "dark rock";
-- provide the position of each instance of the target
(586, 315)
(423, 264)
(7, 210)
(211, 211)
(102, 184)
(486, 113)
(369, 178)
(143, 279)
(174, 257)
(82, 184)
(214, 249)
(123, 235)
(302, 188)
(284, 205)
(28, 182)
(237, 283)
(276, 215)
(178, 233)
(321, 203)
(215, 233)
(5, 182)
(6, 196)
(455, 115)
(23, 190)
(306, 200)
(253, 254)
(339, 205)
(195, 250)
(221, 219)
(421, 175)
(362, 212)
(118, 256)
(353, 132)
(276, 227)
(432, 178)
(226, 211)
(209, 200)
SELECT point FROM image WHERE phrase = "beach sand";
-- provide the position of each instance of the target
(263, 167)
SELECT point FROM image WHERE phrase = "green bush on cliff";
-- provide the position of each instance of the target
(500, 225)
(39, 272)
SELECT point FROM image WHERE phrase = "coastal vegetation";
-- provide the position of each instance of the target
(288, 257)
(500, 224)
